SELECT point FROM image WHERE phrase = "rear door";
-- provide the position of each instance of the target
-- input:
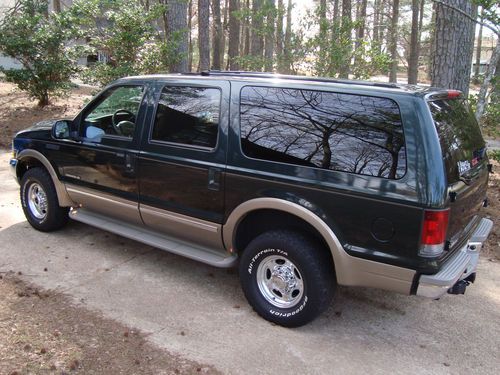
(182, 161)
(465, 162)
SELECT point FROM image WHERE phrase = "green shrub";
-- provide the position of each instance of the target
(39, 41)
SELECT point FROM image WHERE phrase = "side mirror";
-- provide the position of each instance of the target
(61, 129)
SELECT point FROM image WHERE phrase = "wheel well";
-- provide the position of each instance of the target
(25, 164)
(263, 220)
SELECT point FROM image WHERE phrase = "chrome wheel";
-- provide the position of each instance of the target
(280, 281)
(37, 201)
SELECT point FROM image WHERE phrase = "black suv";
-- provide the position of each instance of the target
(305, 183)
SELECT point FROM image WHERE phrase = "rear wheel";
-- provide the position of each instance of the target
(40, 203)
(287, 277)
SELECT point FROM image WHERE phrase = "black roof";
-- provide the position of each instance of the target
(241, 75)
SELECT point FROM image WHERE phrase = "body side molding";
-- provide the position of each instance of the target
(350, 271)
(62, 194)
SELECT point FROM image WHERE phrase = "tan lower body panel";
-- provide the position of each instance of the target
(194, 230)
(367, 273)
(107, 204)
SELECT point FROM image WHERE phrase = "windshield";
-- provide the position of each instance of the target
(461, 140)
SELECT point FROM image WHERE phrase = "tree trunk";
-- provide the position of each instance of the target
(57, 6)
(420, 27)
(234, 35)
(246, 50)
(393, 47)
(216, 36)
(490, 72)
(336, 10)
(176, 32)
(269, 39)
(279, 35)
(43, 100)
(225, 27)
(287, 49)
(453, 45)
(360, 31)
(376, 21)
(413, 58)
(203, 33)
(479, 47)
(190, 42)
(346, 27)
(257, 44)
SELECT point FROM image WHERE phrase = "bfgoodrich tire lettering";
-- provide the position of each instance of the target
(40, 203)
(287, 277)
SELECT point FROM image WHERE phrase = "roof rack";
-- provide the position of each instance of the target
(239, 73)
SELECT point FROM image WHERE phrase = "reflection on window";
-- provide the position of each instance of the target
(188, 115)
(343, 132)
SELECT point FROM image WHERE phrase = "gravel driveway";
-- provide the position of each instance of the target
(200, 313)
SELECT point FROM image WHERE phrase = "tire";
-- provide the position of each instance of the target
(287, 277)
(40, 203)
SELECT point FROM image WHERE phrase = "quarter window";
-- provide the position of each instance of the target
(343, 132)
(188, 116)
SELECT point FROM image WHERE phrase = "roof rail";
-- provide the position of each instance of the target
(239, 73)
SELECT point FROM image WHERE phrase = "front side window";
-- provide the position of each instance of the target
(342, 132)
(188, 116)
(115, 114)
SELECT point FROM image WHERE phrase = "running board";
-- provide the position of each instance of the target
(196, 252)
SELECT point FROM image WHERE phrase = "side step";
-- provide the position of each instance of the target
(196, 252)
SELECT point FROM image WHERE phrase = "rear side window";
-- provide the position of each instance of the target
(342, 132)
(461, 140)
(188, 116)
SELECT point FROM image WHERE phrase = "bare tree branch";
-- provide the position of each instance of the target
(487, 25)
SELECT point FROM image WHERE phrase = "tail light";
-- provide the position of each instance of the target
(452, 94)
(433, 233)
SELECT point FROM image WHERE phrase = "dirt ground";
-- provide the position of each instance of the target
(17, 111)
(43, 332)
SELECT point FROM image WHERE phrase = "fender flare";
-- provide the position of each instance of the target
(62, 194)
(349, 270)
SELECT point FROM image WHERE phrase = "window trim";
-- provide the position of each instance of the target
(90, 107)
(184, 146)
(315, 167)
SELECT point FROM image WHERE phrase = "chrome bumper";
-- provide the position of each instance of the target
(459, 267)
(13, 166)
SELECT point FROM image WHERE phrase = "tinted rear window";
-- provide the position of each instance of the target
(342, 132)
(461, 140)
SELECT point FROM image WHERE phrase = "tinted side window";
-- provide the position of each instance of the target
(114, 114)
(343, 132)
(188, 115)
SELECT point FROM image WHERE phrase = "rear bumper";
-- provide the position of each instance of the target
(458, 267)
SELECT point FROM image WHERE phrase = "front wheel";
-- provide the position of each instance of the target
(40, 203)
(287, 277)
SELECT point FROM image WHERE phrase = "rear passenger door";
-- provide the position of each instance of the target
(182, 161)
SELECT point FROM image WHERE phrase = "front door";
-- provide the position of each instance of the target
(100, 171)
(182, 162)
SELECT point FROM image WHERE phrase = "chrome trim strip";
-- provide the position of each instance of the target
(188, 220)
(351, 271)
(94, 194)
(62, 195)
